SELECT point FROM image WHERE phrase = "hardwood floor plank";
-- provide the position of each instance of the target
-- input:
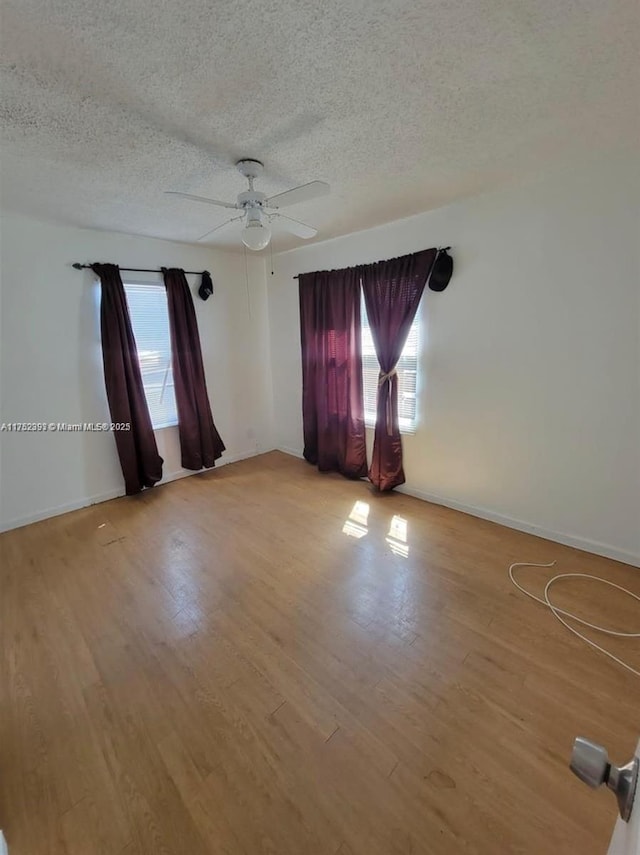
(149, 799)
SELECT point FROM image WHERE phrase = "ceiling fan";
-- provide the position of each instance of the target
(258, 210)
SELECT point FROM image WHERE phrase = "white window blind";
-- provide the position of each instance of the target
(150, 322)
(407, 369)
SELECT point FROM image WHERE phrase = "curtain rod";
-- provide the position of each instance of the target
(78, 266)
(439, 250)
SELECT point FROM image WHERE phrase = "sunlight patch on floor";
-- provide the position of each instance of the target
(397, 537)
(356, 523)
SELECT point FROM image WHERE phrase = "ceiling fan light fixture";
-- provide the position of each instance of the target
(255, 235)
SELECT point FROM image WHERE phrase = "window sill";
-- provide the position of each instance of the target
(165, 425)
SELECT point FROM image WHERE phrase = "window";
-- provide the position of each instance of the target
(150, 322)
(407, 369)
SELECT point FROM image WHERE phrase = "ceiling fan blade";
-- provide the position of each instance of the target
(221, 226)
(299, 194)
(295, 227)
(201, 199)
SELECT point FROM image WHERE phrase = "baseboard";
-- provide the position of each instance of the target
(116, 493)
(58, 510)
(292, 451)
(575, 541)
(582, 543)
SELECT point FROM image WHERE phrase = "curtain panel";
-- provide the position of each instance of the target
(392, 291)
(141, 464)
(332, 392)
(200, 442)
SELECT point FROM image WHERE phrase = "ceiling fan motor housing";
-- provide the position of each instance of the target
(251, 199)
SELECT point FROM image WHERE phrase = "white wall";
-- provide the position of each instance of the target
(529, 408)
(51, 361)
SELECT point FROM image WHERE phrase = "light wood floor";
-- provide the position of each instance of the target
(220, 665)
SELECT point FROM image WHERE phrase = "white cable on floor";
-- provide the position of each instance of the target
(558, 611)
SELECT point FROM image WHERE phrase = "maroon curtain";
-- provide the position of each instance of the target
(200, 442)
(392, 291)
(332, 394)
(137, 449)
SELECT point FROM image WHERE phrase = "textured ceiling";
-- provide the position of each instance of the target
(400, 106)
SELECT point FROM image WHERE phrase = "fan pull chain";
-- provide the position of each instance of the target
(246, 274)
